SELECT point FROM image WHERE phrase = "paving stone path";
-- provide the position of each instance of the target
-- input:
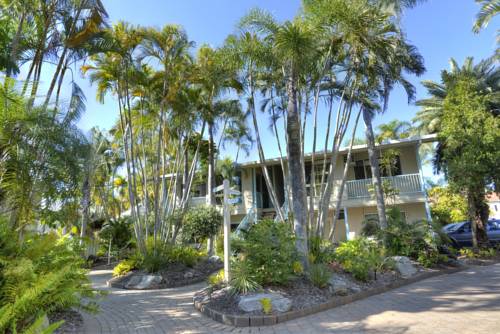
(464, 302)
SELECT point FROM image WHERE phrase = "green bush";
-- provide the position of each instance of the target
(319, 274)
(267, 305)
(407, 239)
(200, 223)
(269, 251)
(243, 278)
(119, 232)
(320, 250)
(39, 275)
(217, 278)
(160, 256)
(124, 267)
(361, 256)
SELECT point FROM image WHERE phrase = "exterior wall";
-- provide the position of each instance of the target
(247, 189)
(355, 216)
(412, 203)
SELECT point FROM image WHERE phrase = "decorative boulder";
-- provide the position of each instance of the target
(342, 286)
(189, 274)
(404, 266)
(144, 282)
(214, 259)
(251, 303)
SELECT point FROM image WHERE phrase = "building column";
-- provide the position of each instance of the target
(254, 189)
(422, 184)
(346, 222)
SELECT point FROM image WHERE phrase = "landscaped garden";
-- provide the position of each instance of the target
(166, 195)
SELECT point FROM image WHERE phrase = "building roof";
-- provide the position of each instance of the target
(414, 140)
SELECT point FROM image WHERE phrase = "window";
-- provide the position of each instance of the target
(371, 217)
(341, 215)
(362, 170)
(318, 175)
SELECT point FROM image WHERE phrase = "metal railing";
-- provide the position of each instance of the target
(404, 184)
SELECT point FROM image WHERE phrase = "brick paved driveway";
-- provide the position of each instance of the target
(464, 302)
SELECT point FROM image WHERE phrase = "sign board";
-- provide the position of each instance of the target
(234, 201)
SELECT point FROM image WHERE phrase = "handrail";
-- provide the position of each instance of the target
(404, 184)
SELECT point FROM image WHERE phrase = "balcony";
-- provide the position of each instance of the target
(404, 184)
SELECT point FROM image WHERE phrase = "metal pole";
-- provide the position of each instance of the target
(227, 232)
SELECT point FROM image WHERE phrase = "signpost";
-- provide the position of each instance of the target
(227, 201)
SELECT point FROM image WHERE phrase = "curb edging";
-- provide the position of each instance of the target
(269, 320)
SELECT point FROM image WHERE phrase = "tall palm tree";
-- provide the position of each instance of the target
(293, 45)
(428, 118)
(170, 47)
(250, 55)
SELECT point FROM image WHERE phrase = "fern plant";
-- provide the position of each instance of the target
(43, 272)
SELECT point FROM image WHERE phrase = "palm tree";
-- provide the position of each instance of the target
(250, 55)
(114, 72)
(170, 47)
(428, 118)
(83, 20)
(215, 78)
(489, 9)
(395, 129)
(293, 45)
(400, 58)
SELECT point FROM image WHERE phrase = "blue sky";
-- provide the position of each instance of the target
(439, 28)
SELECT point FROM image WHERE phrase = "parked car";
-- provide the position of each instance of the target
(461, 233)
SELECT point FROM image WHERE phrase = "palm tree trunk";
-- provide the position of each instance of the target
(296, 170)
(15, 43)
(59, 85)
(375, 168)
(211, 179)
(265, 172)
(478, 215)
(340, 193)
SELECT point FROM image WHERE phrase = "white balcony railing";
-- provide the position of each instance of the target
(404, 184)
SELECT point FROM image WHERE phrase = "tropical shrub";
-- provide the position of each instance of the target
(360, 257)
(407, 239)
(124, 267)
(482, 253)
(430, 257)
(447, 205)
(243, 278)
(160, 256)
(39, 275)
(320, 250)
(319, 274)
(200, 223)
(268, 249)
(298, 268)
(217, 278)
(118, 233)
(267, 305)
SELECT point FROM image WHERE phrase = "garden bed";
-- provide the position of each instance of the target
(222, 306)
(174, 275)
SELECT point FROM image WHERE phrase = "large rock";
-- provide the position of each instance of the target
(341, 286)
(251, 303)
(144, 282)
(214, 259)
(404, 266)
